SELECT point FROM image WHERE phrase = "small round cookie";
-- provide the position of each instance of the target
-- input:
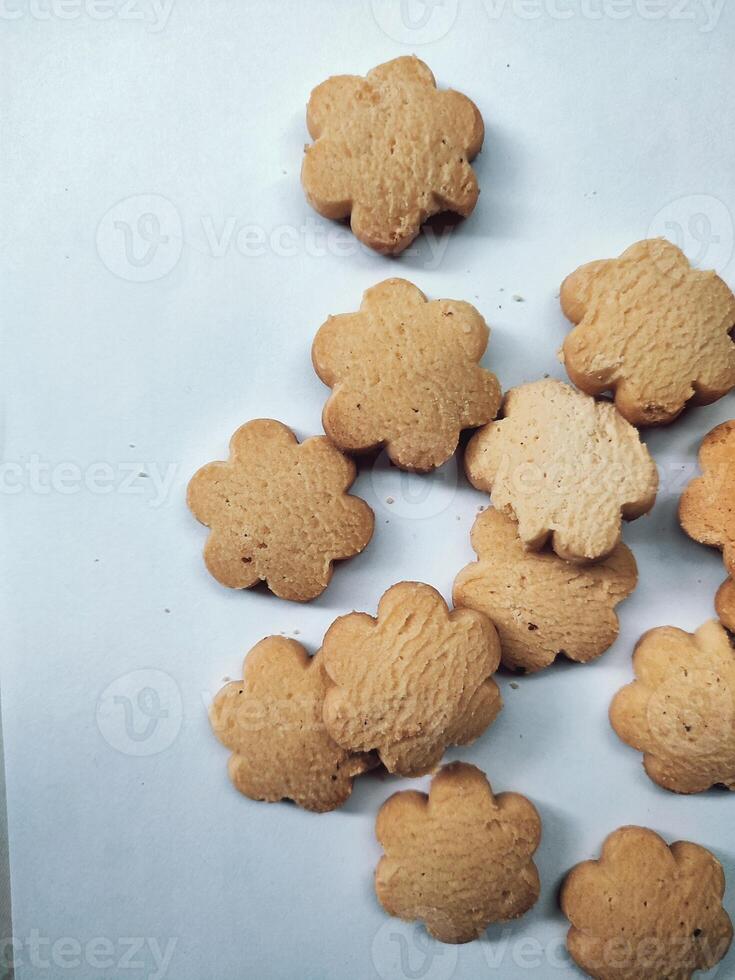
(651, 329)
(646, 911)
(707, 506)
(405, 374)
(412, 681)
(272, 492)
(542, 606)
(725, 604)
(460, 858)
(565, 467)
(390, 150)
(271, 720)
(680, 712)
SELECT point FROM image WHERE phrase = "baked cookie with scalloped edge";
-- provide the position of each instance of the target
(390, 150)
(646, 910)
(405, 374)
(460, 858)
(707, 506)
(651, 329)
(680, 710)
(271, 720)
(412, 681)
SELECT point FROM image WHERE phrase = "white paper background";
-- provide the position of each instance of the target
(602, 127)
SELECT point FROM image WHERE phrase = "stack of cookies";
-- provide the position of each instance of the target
(564, 468)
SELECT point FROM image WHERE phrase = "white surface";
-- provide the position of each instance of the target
(593, 126)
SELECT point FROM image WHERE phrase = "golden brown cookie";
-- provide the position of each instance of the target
(405, 374)
(279, 511)
(646, 911)
(680, 712)
(707, 506)
(271, 720)
(651, 329)
(412, 681)
(459, 858)
(565, 467)
(725, 604)
(541, 605)
(390, 150)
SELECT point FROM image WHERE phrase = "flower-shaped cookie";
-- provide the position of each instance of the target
(460, 858)
(680, 712)
(390, 150)
(707, 506)
(725, 604)
(563, 466)
(405, 374)
(541, 605)
(411, 682)
(279, 511)
(646, 911)
(651, 329)
(271, 720)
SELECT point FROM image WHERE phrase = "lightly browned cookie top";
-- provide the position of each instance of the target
(565, 467)
(279, 511)
(646, 911)
(459, 858)
(707, 506)
(541, 605)
(390, 150)
(271, 720)
(651, 329)
(405, 374)
(412, 681)
(725, 604)
(680, 712)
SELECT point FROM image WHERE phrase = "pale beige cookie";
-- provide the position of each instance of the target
(405, 374)
(565, 467)
(646, 911)
(725, 604)
(271, 720)
(707, 506)
(541, 605)
(279, 511)
(651, 329)
(680, 712)
(390, 150)
(460, 858)
(412, 681)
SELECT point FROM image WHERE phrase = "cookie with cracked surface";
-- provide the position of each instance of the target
(651, 329)
(460, 858)
(680, 711)
(390, 150)
(279, 512)
(645, 910)
(405, 374)
(412, 681)
(565, 467)
(725, 604)
(271, 720)
(707, 506)
(541, 605)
